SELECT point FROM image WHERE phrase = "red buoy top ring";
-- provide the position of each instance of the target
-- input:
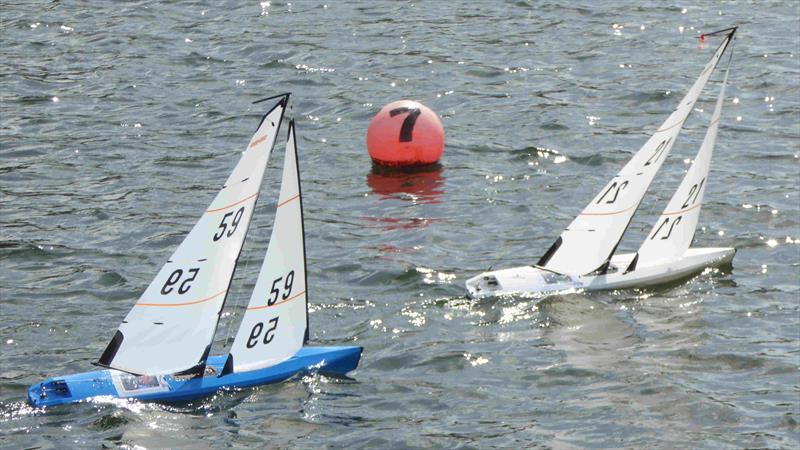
(405, 133)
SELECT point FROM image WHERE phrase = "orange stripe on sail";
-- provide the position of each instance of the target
(258, 141)
(288, 200)
(680, 122)
(608, 213)
(680, 211)
(276, 304)
(232, 204)
(195, 302)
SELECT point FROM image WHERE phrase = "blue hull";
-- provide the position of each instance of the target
(116, 384)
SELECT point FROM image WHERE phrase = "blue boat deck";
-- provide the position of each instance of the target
(165, 388)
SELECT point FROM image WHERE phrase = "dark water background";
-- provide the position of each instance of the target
(119, 121)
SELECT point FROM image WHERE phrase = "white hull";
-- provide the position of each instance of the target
(530, 280)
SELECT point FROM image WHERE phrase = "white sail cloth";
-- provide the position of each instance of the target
(171, 327)
(590, 240)
(673, 232)
(275, 323)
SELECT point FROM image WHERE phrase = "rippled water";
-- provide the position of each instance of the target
(118, 123)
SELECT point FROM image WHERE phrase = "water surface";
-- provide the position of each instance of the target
(118, 123)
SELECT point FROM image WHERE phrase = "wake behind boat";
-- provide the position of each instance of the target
(583, 257)
(160, 351)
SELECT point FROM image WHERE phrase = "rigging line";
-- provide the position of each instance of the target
(239, 291)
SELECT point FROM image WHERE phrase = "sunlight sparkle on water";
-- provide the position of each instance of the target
(475, 361)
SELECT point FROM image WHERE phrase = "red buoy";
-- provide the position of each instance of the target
(405, 133)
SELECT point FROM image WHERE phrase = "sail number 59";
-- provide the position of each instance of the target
(223, 226)
(255, 333)
(175, 277)
(276, 288)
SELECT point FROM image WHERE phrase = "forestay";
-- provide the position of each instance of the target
(673, 232)
(171, 327)
(590, 240)
(274, 325)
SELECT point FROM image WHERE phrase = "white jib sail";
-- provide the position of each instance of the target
(274, 325)
(672, 234)
(590, 240)
(171, 327)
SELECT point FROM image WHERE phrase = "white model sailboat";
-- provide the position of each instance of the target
(160, 351)
(583, 257)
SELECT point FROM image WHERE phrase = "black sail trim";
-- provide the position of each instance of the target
(293, 134)
(550, 252)
(197, 369)
(111, 350)
(632, 265)
(282, 103)
(228, 367)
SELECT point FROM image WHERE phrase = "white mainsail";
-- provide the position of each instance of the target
(673, 232)
(275, 324)
(592, 237)
(171, 327)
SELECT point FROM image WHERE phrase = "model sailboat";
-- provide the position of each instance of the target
(160, 352)
(583, 257)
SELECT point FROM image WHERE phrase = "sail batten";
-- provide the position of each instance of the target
(588, 243)
(170, 328)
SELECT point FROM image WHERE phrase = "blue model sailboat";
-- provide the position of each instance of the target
(160, 351)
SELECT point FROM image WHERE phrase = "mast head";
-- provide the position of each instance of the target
(284, 98)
